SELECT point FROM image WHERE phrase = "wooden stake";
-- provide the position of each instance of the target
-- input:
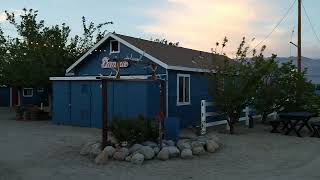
(104, 90)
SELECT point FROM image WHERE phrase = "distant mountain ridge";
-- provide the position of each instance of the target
(313, 65)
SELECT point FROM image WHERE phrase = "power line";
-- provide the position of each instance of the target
(277, 25)
(312, 26)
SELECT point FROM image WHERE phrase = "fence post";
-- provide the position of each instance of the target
(247, 112)
(203, 124)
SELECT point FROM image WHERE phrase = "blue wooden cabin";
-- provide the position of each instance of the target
(10, 96)
(77, 97)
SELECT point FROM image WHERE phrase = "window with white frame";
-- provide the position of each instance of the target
(27, 92)
(114, 46)
(183, 89)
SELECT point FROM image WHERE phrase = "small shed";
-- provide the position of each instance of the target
(77, 97)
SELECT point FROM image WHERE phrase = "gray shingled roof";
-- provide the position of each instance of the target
(176, 56)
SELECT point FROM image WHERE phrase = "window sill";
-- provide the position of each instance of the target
(114, 52)
(183, 104)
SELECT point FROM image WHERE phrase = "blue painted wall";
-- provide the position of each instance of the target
(189, 114)
(92, 64)
(79, 103)
(4, 96)
(36, 99)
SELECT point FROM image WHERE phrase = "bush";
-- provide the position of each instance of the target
(135, 130)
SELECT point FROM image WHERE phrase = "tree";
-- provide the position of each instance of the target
(232, 84)
(40, 51)
(166, 42)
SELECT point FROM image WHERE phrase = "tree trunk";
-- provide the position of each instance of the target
(264, 117)
(231, 123)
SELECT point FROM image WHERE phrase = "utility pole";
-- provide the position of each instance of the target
(299, 36)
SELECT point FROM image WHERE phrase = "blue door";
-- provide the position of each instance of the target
(61, 102)
(129, 99)
(96, 104)
(80, 103)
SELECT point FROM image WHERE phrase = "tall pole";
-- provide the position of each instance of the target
(299, 37)
(105, 127)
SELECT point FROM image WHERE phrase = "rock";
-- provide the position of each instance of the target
(198, 150)
(150, 143)
(173, 151)
(135, 148)
(211, 146)
(156, 150)
(95, 150)
(109, 150)
(86, 149)
(137, 158)
(121, 154)
(186, 154)
(128, 158)
(214, 138)
(169, 142)
(102, 158)
(183, 144)
(147, 151)
(196, 144)
(163, 154)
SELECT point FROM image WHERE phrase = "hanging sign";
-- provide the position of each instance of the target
(106, 63)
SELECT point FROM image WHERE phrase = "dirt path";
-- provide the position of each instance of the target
(40, 150)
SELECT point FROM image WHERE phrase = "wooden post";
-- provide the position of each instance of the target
(162, 111)
(118, 70)
(104, 90)
(299, 37)
(203, 124)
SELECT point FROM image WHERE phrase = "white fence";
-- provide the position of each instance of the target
(205, 114)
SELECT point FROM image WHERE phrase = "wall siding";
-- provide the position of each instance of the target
(92, 64)
(189, 114)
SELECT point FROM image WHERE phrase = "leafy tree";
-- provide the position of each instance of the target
(166, 42)
(232, 84)
(40, 51)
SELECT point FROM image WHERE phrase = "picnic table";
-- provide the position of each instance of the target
(293, 121)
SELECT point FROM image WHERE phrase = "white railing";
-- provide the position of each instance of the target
(205, 114)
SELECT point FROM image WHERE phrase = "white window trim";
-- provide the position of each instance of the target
(24, 95)
(183, 103)
(111, 52)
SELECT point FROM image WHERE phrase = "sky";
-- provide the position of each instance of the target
(196, 24)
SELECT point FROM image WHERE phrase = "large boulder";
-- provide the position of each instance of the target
(173, 151)
(109, 150)
(196, 144)
(150, 143)
(135, 148)
(163, 154)
(147, 151)
(156, 150)
(169, 142)
(85, 150)
(137, 158)
(102, 158)
(95, 150)
(198, 150)
(183, 144)
(121, 154)
(212, 146)
(186, 154)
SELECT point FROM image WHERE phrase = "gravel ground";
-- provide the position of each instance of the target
(40, 150)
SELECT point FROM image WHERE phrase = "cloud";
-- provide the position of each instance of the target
(200, 24)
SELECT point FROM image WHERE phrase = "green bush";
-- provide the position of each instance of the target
(135, 130)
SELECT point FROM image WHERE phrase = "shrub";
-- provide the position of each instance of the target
(135, 130)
